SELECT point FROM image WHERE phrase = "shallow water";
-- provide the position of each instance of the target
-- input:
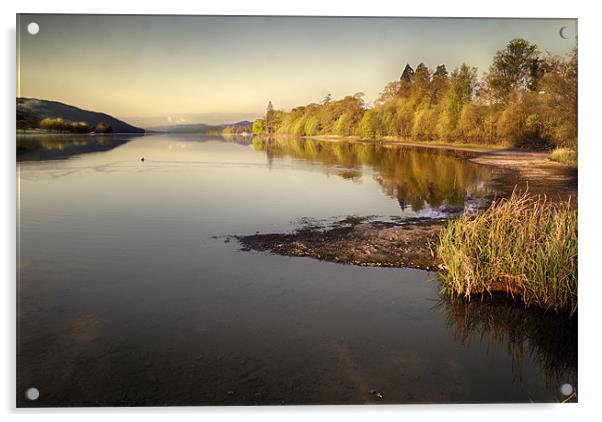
(130, 293)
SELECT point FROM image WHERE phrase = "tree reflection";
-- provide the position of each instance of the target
(32, 147)
(415, 177)
(546, 338)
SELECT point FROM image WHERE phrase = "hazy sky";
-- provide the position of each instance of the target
(155, 69)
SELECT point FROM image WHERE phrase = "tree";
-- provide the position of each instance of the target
(517, 66)
(421, 67)
(359, 96)
(421, 81)
(103, 128)
(559, 99)
(439, 83)
(406, 75)
(54, 125)
(369, 126)
(461, 86)
(389, 93)
(312, 126)
(258, 126)
(405, 117)
(405, 81)
(524, 99)
(79, 127)
(299, 126)
(469, 123)
(388, 123)
(344, 124)
(269, 118)
(425, 122)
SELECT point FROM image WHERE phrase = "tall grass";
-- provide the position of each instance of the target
(524, 246)
(564, 156)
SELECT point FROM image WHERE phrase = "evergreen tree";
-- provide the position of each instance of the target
(269, 118)
(406, 75)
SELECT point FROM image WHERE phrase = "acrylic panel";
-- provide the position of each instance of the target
(253, 210)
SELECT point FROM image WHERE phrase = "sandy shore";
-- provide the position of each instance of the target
(525, 169)
(532, 165)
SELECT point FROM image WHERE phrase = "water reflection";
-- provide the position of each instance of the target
(498, 324)
(123, 281)
(416, 178)
(36, 147)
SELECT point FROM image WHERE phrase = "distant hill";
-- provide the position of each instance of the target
(200, 127)
(30, 111)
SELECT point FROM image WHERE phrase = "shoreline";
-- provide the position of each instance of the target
(37, 133)
(488, 154)
(409, 244)
(533, 170)
(385, 141)
(531, 164)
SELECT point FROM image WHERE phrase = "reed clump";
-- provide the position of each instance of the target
(564, 156)
(524, 246)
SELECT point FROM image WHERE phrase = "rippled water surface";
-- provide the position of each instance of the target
(130, 293)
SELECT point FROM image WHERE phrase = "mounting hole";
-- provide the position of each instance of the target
(32, 393)
(33, 28)
(566, 389)
(565, 32)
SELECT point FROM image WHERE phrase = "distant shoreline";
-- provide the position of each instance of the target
(42, 132)
(387, 140)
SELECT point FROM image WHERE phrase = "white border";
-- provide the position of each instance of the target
(590, 153)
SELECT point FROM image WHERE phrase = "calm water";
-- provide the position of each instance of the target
(130, 293)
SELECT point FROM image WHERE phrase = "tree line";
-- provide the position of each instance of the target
(60, 125)
(525, 99)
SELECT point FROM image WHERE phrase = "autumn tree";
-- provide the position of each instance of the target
(461, 85)
(421, 80)
(370, 125)
(53, 125)
(558, 91)
(518, 66)
(439, 83)
(389, 93)
(258, 126)
(524, 100)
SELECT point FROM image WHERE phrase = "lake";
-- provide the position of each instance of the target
(132, 293)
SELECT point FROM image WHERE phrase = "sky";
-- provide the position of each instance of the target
(158, 70)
